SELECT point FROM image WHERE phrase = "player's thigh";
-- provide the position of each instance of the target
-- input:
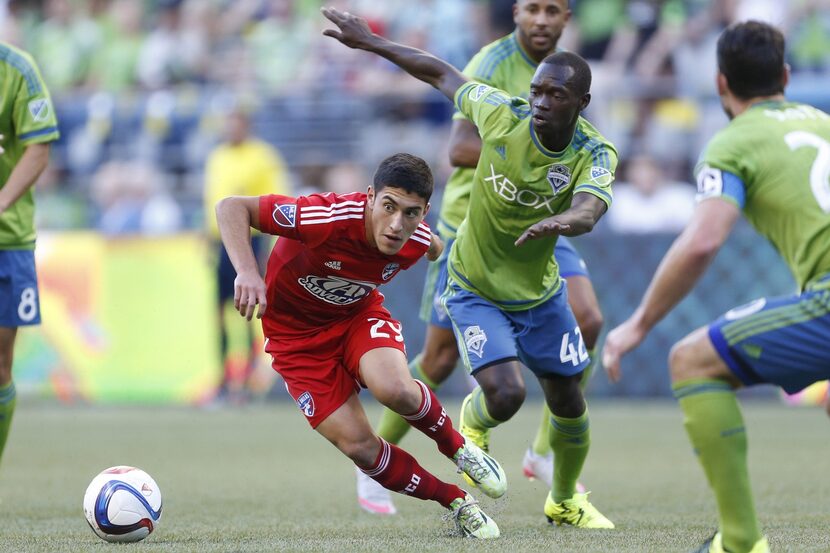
(781, 341)
(440, 353)
(484, 333)
(19, 297)
(349, 430)
(313, 369)
(585, 306)
(550, 341)
(375, 354)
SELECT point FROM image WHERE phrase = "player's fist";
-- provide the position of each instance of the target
(248, 292)
(353, 31)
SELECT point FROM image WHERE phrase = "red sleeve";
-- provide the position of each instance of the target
(309, 219)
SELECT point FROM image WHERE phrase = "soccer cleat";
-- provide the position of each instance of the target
(481, 469)
(576, 511)
(479, 437)
(372, 497)
(715, 545)
(471, 520)
(540, 467)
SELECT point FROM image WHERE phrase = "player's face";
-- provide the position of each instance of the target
(395, 215)
(539, 24)
(554, 104)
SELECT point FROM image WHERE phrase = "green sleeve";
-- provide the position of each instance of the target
(596, 177)
(473, 71)
(33, 114)
(492, 110)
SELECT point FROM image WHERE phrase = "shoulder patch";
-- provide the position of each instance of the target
(477, 92)
(709, 182)
(285, 215)
(600, 176)
(39, 109)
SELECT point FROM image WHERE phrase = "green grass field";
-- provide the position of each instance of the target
(258, 479)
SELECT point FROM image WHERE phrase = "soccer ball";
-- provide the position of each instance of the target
(122, 504)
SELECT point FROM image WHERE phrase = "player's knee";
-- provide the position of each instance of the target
(683, 361)
(401, 395)
(361, 450)
(504, 401)
(438, 364)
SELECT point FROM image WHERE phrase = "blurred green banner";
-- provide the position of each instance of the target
(124, 320)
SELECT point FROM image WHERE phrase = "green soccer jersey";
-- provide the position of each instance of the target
(26, 117)
(518, 182)
(773, 161)
(502, 64)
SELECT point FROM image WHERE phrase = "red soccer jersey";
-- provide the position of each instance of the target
(323, 269)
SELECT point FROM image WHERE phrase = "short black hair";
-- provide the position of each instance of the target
(751, 57)
(404, 171)
(582, 71)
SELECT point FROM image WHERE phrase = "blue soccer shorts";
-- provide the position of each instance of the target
(19, 297)
(432, 310)
(545, 338)
(782, 341)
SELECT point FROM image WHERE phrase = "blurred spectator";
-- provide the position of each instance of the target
(645, 202)
(241, 166)
(64, 43)
(177, 49)
(131, 199)
(114, 63)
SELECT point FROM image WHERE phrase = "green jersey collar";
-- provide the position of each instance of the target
(541, 148)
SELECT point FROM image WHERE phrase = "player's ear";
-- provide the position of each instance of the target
(515, 12)
(426, 209)
(785, 76)
(584, 101)
(723, 86)
(370, 196)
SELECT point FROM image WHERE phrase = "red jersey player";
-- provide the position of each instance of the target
(329, 333)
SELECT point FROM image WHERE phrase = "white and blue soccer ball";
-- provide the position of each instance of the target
(122, 504)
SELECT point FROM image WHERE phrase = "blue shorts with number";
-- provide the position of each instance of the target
(19, 298)
(545, 338)
(782, 341)
(432, 311)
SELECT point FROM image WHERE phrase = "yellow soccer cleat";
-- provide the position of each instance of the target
(481, 438)
(576, 511)
(715, 545)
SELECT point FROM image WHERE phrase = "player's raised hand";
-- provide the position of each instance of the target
(353, 31)
(620, 341)
(546, 227)
(248, 292)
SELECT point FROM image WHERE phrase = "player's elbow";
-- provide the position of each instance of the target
(704, 247)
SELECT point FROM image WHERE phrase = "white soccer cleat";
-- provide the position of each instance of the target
(540, 467)
(372, 497)
(471, 520)
(484, 471)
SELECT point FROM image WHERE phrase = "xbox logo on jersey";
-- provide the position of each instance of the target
(335, 290)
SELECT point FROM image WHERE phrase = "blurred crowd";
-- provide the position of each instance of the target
(142, 87)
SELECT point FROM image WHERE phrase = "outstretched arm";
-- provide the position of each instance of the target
(235, 217)
(678, 272)
(585, 211)
(354, 32)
